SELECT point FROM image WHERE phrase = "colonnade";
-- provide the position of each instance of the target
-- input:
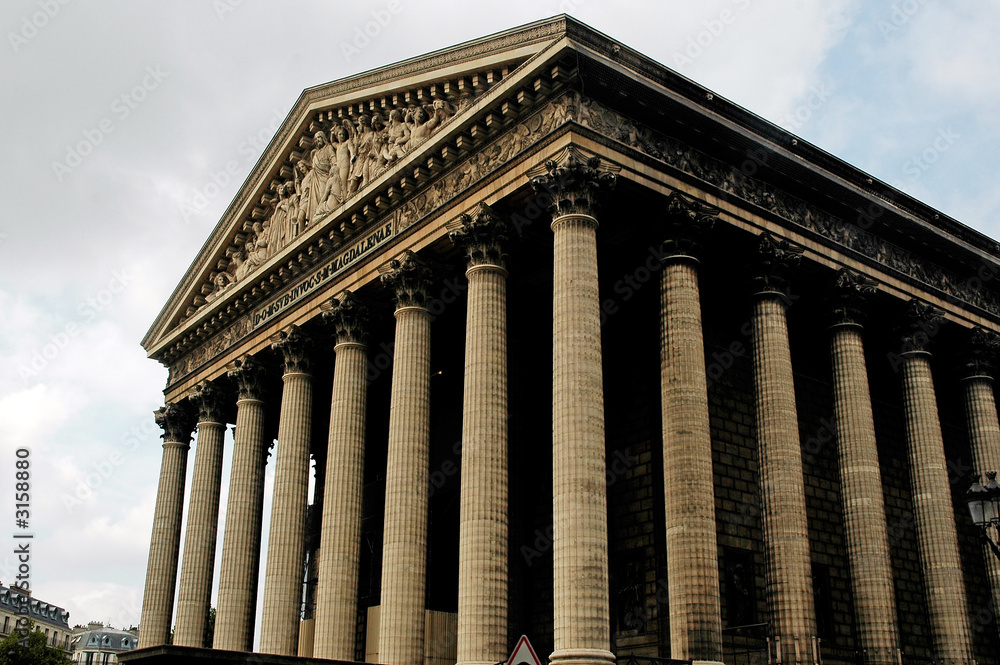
(580, 548)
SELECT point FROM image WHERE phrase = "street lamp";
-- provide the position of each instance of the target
(984, 507)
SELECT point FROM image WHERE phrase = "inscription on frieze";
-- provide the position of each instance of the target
(317, 277)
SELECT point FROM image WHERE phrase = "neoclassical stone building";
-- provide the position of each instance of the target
(581, 351)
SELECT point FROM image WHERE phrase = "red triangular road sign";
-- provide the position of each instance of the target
(523, 653)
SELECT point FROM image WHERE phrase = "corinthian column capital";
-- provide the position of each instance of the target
(210, 401)
(295, 347)
(982, 349)
(248, 373)
(573, 180)
(484, 235)
(409, 277)
(177, 422)
(776, 260)
(851, 291)
(688, 221)
(348, 316)
(922, 321)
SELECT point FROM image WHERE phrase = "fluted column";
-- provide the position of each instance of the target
(234, 619)
(279, 632)
(579, 511)
(404, 550)
(786, 532)
(933, 512)
(198, 566)
(483, 529)
(340, 555)
(689, 495)
(984, 429)
(860, 477)
(164, 545)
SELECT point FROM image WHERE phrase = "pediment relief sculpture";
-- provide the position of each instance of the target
(344, 156)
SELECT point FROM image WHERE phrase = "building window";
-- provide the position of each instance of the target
(6, 624)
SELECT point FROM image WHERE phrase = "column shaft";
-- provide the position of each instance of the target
(934, 514)
(482, 568)
(340, 554)
(198, 566)
(984, 439)
(234, 620)
(164, 546)
(863, 503)
(786, 533)
(579, 511)
(689, 496)
(404, 554)
(286, 544)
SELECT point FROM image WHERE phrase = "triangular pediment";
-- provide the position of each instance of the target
(348, 152)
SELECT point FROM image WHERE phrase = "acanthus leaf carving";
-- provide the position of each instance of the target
(688, 221)
(348, 316)
(409, 277)
(485, 235)
(249, 375)
(295, 347)
(176, 419)
(776, 260)
(210, 401)
(573, 181)
(851, 292)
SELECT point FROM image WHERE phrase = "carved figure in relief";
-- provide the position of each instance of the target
(398, 135)
(296, 209)
(281, 223)
(422, 124)
(242, 265)
(222, 281)
(258, 250)
(313, 186)
(364, 155)
(335, 193)
(346, 151)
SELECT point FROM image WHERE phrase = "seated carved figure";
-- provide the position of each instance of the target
(398, 136)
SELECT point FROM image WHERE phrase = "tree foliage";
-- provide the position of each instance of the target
(32, 651)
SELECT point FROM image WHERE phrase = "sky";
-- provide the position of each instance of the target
(129, 127)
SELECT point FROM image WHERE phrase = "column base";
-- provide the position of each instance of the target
(707, 662)
(581, 657)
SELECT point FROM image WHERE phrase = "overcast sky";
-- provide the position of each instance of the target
(118, 117)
